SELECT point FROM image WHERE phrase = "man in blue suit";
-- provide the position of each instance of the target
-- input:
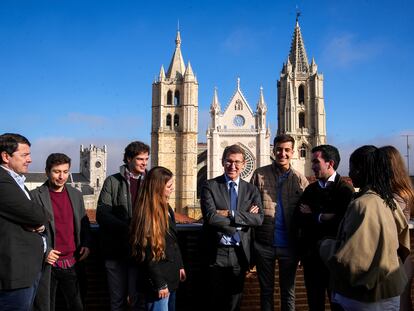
(230, 207)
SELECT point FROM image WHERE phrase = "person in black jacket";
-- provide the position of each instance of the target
(21, 222)
(323, 205)
(113, 214)
(154, 242)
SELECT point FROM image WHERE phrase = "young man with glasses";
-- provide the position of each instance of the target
(230, 207)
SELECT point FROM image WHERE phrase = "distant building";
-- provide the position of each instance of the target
(89, 180)
(301, 104)
(238, 124)
(175, 127)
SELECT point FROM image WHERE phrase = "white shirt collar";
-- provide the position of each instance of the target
(331, 178)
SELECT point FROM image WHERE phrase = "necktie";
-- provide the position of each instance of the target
(233, 205)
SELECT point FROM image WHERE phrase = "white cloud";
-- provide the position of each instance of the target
(347, 49)
(42, 147)
(240, 40)
(89, 120)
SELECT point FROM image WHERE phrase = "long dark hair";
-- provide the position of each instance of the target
(149, 223)
(372, 171)
(399, 178)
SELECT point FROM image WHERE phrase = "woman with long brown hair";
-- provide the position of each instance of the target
(403, 193)
(154, 242)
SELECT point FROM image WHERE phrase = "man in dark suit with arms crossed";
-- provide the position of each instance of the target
(21, 222)
(230, 206)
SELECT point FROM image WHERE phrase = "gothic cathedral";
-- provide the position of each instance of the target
(301, 108)
(175, 127)
(238, 124)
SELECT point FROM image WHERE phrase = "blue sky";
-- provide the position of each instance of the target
(80, 72)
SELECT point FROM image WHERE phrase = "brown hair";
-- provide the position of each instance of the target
(399, 178)
(232, 150)
(149, 223)
(283, 138)
(135, 148)
(56, 159)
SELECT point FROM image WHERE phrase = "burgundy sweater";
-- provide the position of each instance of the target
(64, 228)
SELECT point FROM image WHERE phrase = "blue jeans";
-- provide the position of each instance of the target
(19, 299)
(164, 304)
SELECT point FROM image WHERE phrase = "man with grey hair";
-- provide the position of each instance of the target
(230, 207)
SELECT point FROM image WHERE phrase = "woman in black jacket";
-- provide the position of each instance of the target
(154, 242)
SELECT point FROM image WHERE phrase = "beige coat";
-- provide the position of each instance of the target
(363, 260)
(266, 179)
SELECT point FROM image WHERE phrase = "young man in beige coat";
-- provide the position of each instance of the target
(281, 187)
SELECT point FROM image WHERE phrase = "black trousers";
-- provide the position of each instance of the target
(317, 283)
(226, 279)
(67, 281)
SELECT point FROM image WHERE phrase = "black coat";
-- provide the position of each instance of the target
(334, 199)
(154, 275)
(21, 251)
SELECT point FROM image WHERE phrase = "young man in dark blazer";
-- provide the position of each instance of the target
(67, 233)
(21, 224)
(230, 207)
(322, 208)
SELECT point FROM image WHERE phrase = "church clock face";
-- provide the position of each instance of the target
(98, 164)
(238, 120)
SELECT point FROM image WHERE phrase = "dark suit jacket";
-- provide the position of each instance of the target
(80, 221)
(334, 199)
(21, 251)
(82, 235)
(215, 196)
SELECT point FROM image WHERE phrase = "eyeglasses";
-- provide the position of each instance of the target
(236, 163)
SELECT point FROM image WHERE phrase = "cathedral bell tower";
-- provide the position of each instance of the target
(175, 127)
(301, 107)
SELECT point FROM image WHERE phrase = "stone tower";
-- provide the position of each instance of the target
(92, 165)
(301, 108)
(175, 127)
(238, 124)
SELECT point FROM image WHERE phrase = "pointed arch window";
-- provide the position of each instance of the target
(302, 151)
(168, 120)
(177, 98)
(301, 94)
(176, 120)
(169, 98)
(301, 120)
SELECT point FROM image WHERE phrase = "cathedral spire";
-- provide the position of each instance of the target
(297, 54)
(162, 73)
(215, 105)
(189, 75)
(261, 104)
(177, 67)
